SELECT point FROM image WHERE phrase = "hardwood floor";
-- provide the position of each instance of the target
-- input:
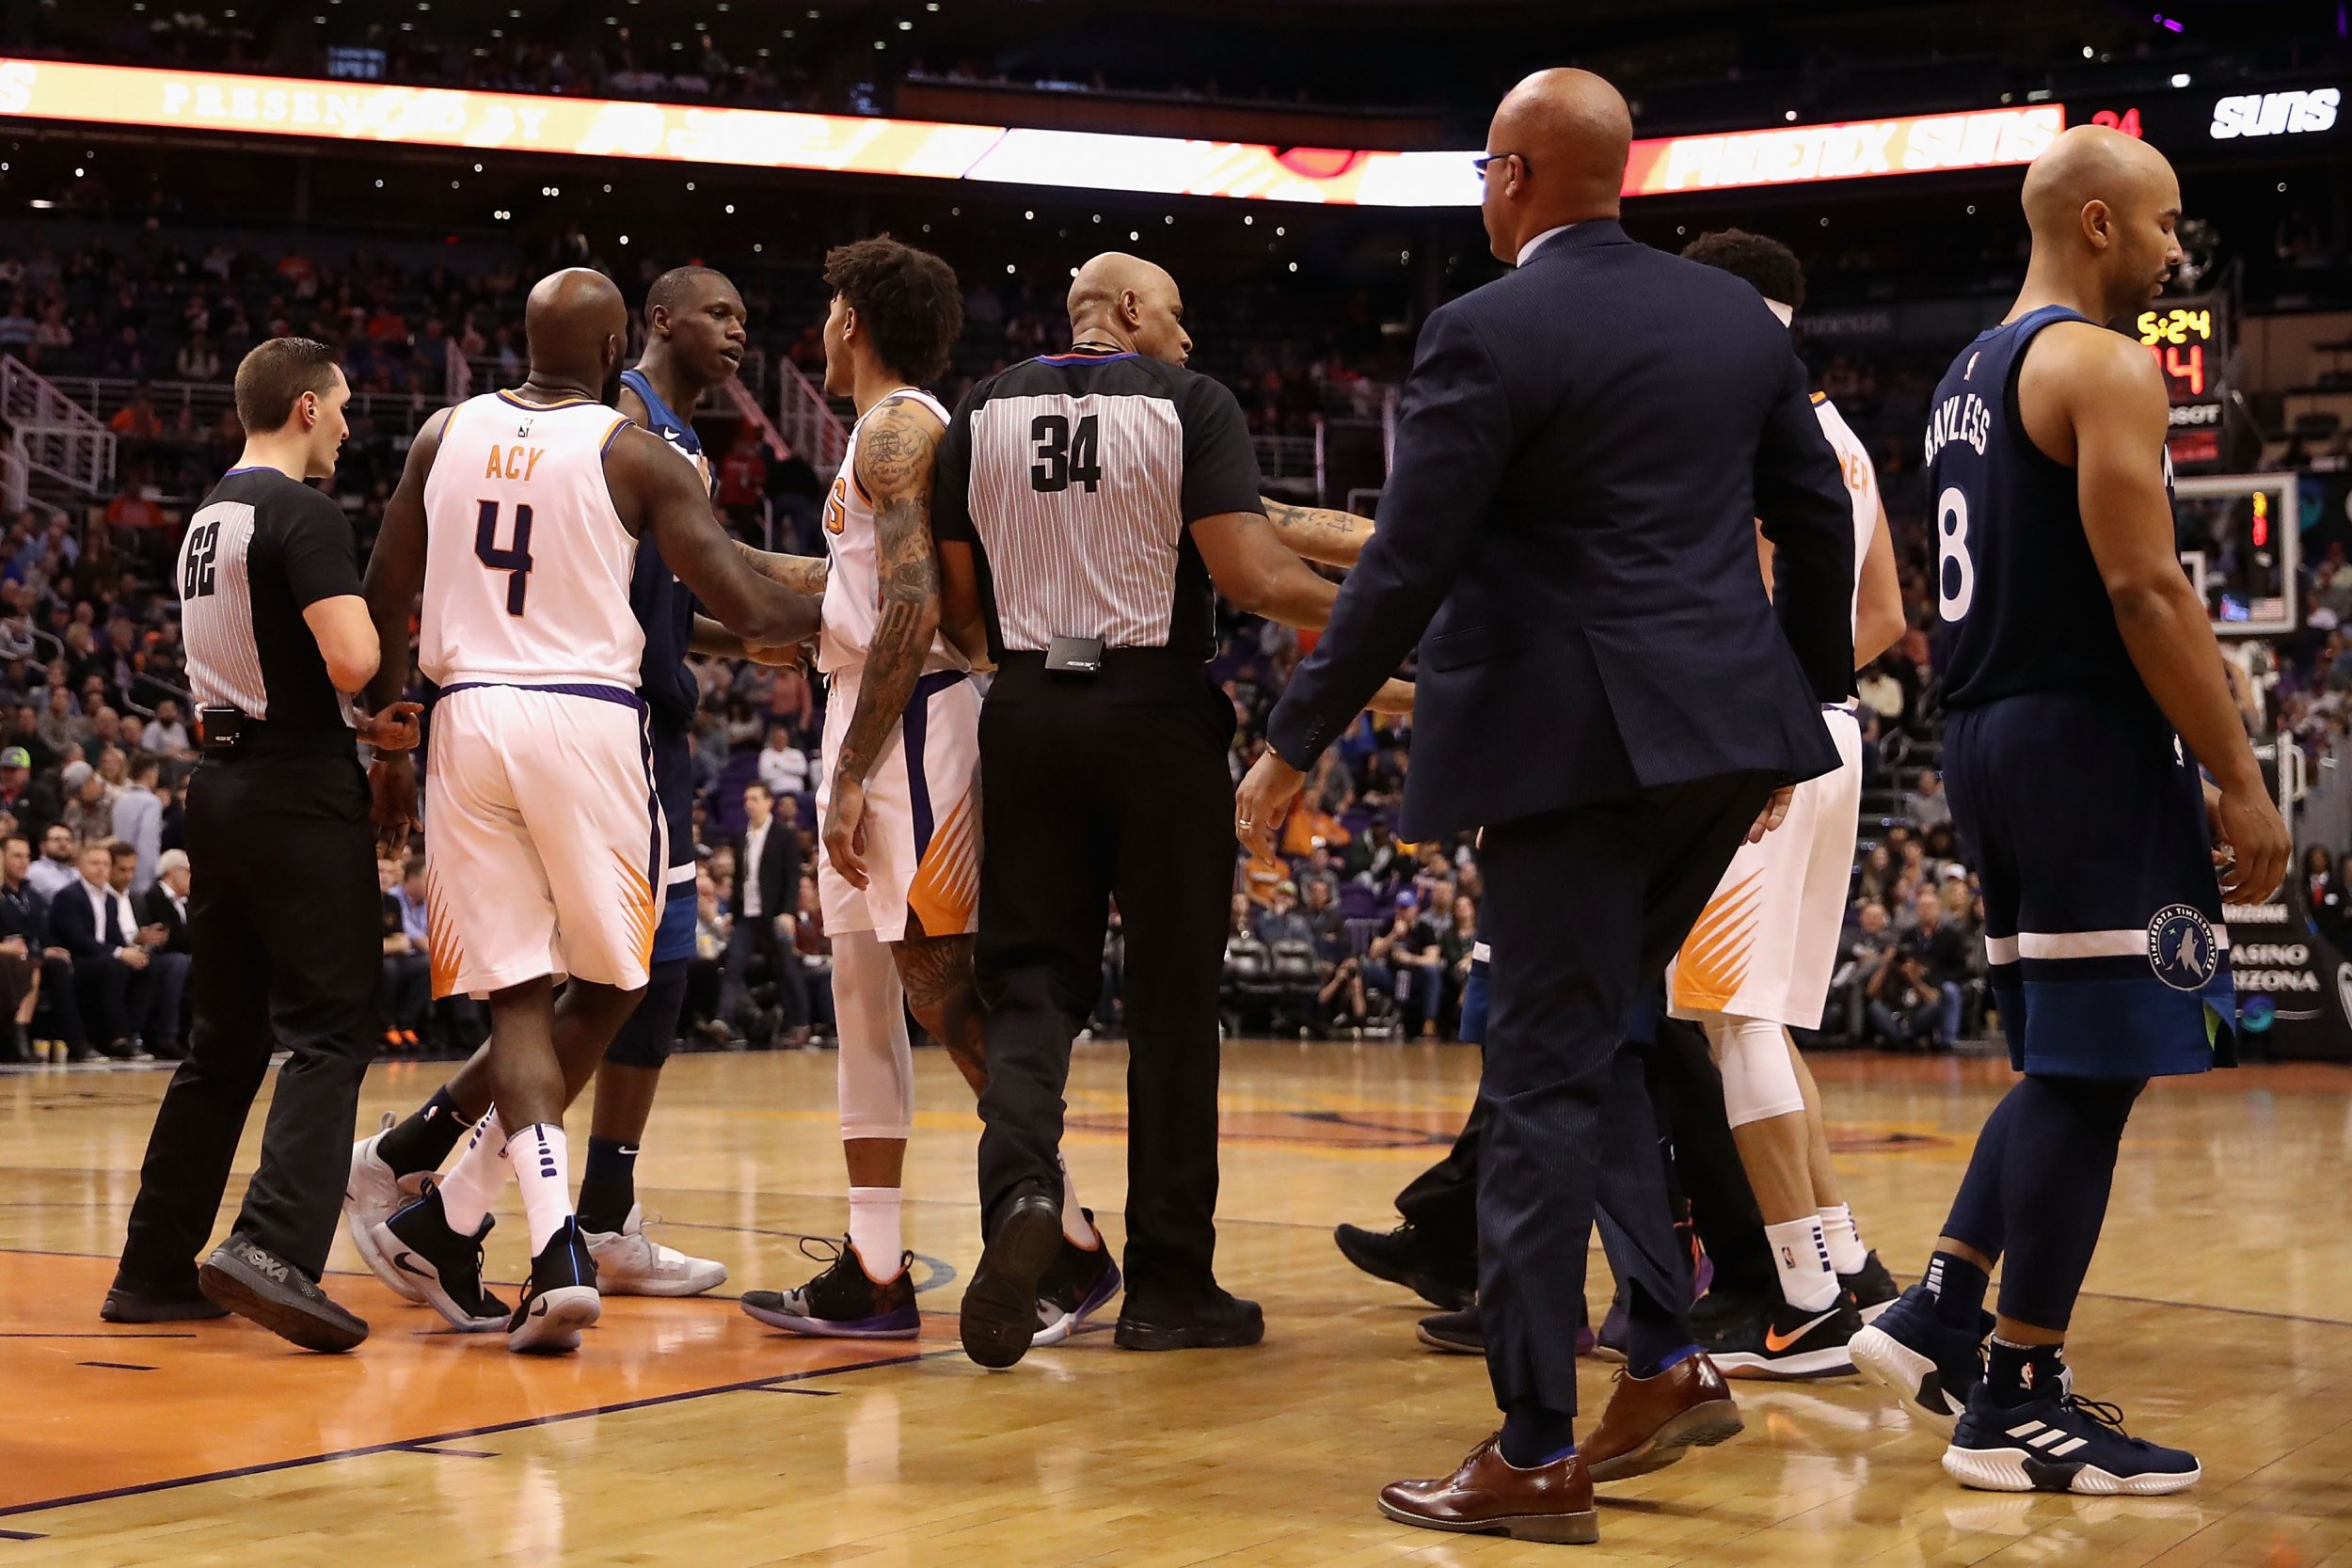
(2219, 1317)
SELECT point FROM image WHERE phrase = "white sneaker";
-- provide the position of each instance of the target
(631, 1263)
(371, 1195)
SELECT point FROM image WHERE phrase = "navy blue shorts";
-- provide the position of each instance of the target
(2085, 816)
(673, 782)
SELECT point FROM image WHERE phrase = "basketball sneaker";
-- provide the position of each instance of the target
(2059, 1443)
(1406, 1257)
(844, 1302)
(631, 1263)
(1778, 1340)
(558, 1300)
(1933, 1369)
(441, 1268)
(1873, 1288)
(373, 1193)
(1074, 1288)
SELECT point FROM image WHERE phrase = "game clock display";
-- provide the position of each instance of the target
(2191, 342)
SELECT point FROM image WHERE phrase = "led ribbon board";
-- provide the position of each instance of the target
(1073, 160)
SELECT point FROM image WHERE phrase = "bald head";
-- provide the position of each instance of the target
(1570, 133)
(1132, 302)
(575, 326)
(2102, 207)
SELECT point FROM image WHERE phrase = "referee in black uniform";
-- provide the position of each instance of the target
(283, 912)
(1085, 502)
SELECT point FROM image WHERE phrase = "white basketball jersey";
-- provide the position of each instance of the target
(527, 564)
(853, 578)
(1862, 487)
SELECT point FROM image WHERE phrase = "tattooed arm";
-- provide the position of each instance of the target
(802, 574)
(1318, 534)
(895, 457)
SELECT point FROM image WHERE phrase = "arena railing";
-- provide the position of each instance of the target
(51, 435)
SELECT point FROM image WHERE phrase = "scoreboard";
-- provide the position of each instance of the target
(2190, 340)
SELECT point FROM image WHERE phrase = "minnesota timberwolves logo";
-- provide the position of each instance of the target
(2182, 949)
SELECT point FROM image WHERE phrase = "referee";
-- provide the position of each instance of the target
(284, 914)
(1085, 502)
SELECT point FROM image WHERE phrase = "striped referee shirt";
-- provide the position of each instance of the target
(260, 552)
(1076, 478)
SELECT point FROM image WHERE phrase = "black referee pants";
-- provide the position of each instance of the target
(286, 922)
(1114, 787)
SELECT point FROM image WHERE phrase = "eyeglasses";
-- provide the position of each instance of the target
(1481, 162)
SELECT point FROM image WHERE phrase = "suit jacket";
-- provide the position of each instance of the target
(155, 908)
(75, 927)
(779, 870)
(1582, 450)
(24, 912)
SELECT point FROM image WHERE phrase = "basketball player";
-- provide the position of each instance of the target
(518, 516)
(899, 794)
(2086, 691)
(1757, 962)
(694, 334)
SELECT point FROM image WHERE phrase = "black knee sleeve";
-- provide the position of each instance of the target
(645, 1040)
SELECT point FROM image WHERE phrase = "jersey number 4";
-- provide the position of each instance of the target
(1065, 457)
(200, 568)
(514, 560)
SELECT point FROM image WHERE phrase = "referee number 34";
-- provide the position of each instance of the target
(1067, 452)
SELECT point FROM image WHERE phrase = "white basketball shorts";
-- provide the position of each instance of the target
(544, 843)
(1766, 944)
(922, 815)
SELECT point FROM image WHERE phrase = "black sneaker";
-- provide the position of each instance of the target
(254, 1282)
(844, 1302)
(418, 1245)
(1080, 1283)
(559, 1299)
(1454, 1333)
(1724, 1306)
(1871, 1287)
(999, 1315)
(1403, 1257)
(1218, 1320)
(1785, 1342)
(141, 1304)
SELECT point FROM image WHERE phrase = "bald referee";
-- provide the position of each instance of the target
(1086, 503)
(283, 915)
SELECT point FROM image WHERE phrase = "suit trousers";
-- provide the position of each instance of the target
(1113, 787)
(286, 923)
(1441, 1203)
(1584, 906)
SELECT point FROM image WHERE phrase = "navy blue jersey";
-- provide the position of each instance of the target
(2021, 602)
(662, 603)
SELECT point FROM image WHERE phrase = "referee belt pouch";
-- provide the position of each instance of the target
(220, 729)
(1074, 655)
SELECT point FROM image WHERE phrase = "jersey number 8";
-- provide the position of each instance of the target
(1955, 573)
(514, 560)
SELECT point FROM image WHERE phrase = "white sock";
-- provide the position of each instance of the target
(1846, 1252)
(874, 1231)
(1802, 1259)
(473, 1185)
(541, 1161)
(1076, 1228)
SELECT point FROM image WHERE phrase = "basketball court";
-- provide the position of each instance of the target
(2217, 1317)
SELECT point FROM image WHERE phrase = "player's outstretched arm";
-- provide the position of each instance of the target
(663, 500)
(802, 574)
(2088, 389)
(1319, 533)
(395, 574)
(896, 453)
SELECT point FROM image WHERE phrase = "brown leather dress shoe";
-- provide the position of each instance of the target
(1652, 1422)
(1489, 1496)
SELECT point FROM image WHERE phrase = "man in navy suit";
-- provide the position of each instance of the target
(1583, 451)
